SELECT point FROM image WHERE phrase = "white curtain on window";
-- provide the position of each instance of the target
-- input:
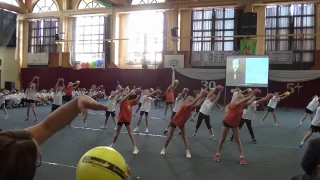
(274, 75)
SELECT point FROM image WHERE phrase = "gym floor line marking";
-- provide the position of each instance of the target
(57, 164)
(285, 147)
(141, 134)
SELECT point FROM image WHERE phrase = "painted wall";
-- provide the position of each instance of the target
(9, 66)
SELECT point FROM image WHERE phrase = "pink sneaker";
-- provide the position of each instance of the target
(217, 158)
(243, 161)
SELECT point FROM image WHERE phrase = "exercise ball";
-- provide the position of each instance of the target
(101, 163)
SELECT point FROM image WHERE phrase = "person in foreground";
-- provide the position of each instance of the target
(19, 149)
(310, 162)
(180, 119)
(232, 120)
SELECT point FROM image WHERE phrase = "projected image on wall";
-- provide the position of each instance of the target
(250, 71)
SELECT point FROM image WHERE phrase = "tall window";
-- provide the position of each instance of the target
(89, 37)
(45, 6)
(87, 4)
(146, 32)
(42, 32)
(214, 22)
(293, 19)
(12, 2)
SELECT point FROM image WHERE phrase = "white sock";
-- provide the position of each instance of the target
(218, 154)
(166, 129)
(187, 151)
(241, 157)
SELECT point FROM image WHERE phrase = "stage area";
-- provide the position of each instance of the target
(276, 155)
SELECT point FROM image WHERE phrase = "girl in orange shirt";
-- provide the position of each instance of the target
(170, 93)
(180, 119)
(125, 116)
(232, 120)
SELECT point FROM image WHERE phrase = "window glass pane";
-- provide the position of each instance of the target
(197, 25)
(208, 14)
(196, 46)
(207, 25)
(197, 15)
(229, 24)
(219, 24)
(228, 46)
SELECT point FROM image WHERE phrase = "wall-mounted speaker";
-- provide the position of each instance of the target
(248, 24)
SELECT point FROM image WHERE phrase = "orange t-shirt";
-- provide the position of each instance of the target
(125, 114)
(234, 114)
(170, 96)
(183, 115)
(69, 91)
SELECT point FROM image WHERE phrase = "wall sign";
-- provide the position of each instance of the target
(210, 58)
(280, 57)
(208, 84)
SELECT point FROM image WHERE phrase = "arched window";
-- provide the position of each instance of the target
(12, 2)
(136, 2)
(45, 6)
(89, 4)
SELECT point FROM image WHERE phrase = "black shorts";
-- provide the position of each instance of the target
(2, 105)
(121, 123)
(314, 129)
(270, 109)
(173, 114)
(198, 109)
(140, 104)
(54, 107)
(175, 126)
(167, 103)
(30, 101)
(113, 113)
(66, 98)
(144, 113)
(227, 125)
(308, 111)
(132, 97)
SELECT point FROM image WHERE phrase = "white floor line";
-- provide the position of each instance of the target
(56, 164)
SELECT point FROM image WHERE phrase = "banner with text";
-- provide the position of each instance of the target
(91, 60)
(280, 57)
(248, 46)
(210, 58)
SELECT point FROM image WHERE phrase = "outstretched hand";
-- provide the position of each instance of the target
(85, 102)
(128, 176)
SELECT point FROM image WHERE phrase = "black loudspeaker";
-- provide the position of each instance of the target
(248, 24)
(9, 85)
(174, 32)
(56, 37)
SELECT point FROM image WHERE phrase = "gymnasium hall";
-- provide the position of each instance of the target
(264, 51)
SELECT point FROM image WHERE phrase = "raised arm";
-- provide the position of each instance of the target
(218, 97)
(38, 82)
(57, 85)
(244, 100)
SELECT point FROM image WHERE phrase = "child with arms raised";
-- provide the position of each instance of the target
(181, 118)
(125, 116)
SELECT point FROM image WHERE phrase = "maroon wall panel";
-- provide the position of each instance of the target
(148, 78)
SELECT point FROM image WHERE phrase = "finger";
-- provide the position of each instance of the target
(129, 170)
(97, 106)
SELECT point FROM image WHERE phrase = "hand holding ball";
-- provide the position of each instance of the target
(204, 93)
(256, 91)
(78, 82)
(102, 163)
(287, 94)
(159, 92)
(121, 90)
(220, 88)
(176, 81)
(151, 90)
(249, 90)
(185, 90)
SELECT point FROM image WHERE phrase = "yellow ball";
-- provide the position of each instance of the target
(249, 90)
(101, 163)
(78, 82)
(212, 89)
(151, 90)
(287, 93)
(176, 81)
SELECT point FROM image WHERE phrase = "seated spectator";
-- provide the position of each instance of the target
(310, 162)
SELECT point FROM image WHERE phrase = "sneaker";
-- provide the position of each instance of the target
(7, 117)
(26, 119)
(147, 130)
(179, 132)
(276, 125)
(103, 127)
(194, 135)
(254, 141)
(136, 129)
(135, 151)
(213, 138)
(217, 158)
(188, 155)
(163, 152)
(243, 161)
(115, 128)
(261, 124)
(35, 121)
(165, 132)
(85, 125)
(231, 139)
(300, 146)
